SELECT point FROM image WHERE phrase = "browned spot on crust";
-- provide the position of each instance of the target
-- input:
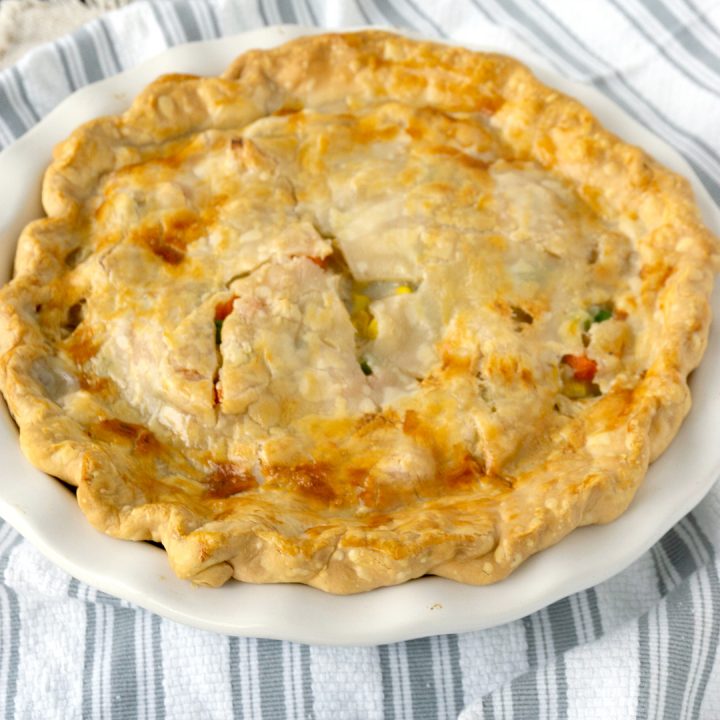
(119, 427)
(370, 422)
(655, 276)
(93, 383)
(415, 130)
(489, 104)
(593, 197)
(169, 254)
(185, 226)
(228, 479)
(455, 364)
(154, 238)
(368, 131)
(310, 480)
(171, 78)
(81, 346)
(411, 422)
(169, 239)
(377, 519)
(471, 475)
(146, 442)
(546, 149)
(143, 440)
(465, 475)
(288, 109)
(357, 476)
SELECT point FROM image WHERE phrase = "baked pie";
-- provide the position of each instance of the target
(362, 309)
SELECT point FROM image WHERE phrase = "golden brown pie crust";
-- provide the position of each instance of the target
(363, 308)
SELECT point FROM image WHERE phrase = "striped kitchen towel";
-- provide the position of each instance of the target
(641, 645)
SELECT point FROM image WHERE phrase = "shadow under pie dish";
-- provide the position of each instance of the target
(362, 309)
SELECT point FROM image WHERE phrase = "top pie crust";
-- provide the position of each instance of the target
(361, 309)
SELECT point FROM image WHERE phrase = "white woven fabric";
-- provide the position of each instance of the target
(641, 645)
(27, 23)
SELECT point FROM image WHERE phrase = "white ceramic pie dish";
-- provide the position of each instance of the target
(46, 513)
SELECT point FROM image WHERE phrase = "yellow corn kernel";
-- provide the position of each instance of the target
(372, 329)
(361, 320)
(575, 389)
(403, 290)
(360, 302)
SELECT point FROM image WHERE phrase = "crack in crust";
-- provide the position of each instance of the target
(361, 309)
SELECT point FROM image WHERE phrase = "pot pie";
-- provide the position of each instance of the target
(362, 309)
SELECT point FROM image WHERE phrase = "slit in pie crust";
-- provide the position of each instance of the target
(362, 309)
